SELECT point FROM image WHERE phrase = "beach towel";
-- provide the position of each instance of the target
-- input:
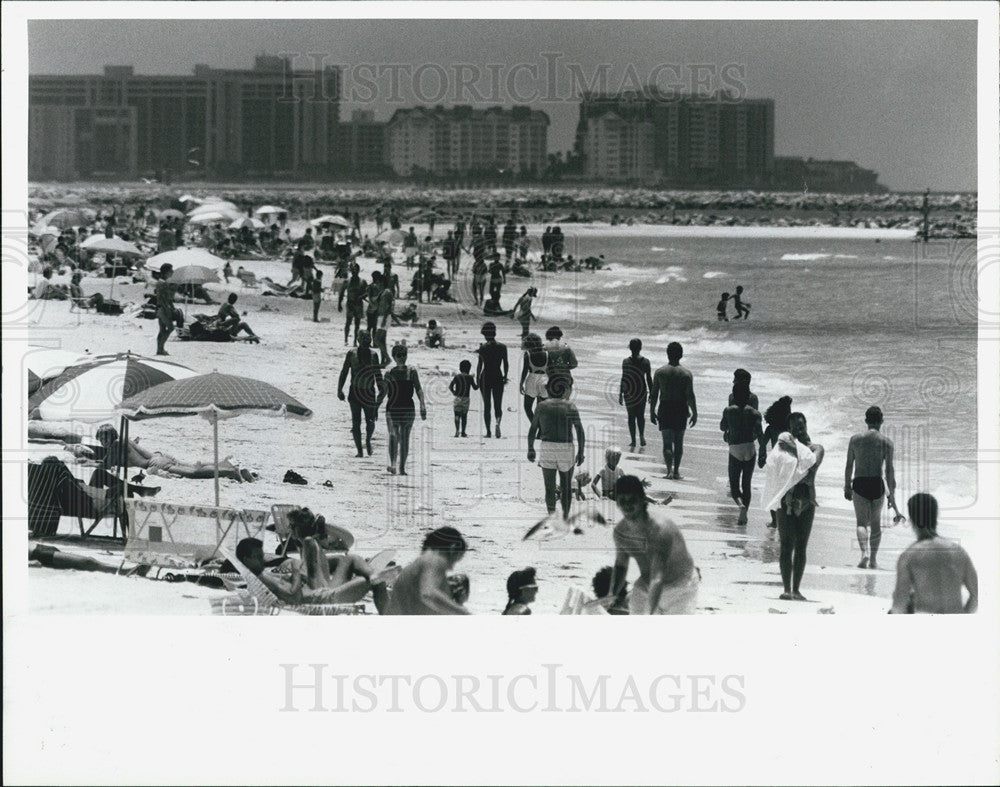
(783, 471)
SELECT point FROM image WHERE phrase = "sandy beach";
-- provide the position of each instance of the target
(485, 488)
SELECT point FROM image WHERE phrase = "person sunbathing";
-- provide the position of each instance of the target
(159, 462)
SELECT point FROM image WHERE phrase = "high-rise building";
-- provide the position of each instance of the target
(463, 141)
(683, 141)
(268, 120)
(361, 149)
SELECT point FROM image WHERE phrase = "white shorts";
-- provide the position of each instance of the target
(556, 456)
(534, 385)
(676, 599)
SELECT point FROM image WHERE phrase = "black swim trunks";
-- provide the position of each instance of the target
(672, 416)
(869, 487)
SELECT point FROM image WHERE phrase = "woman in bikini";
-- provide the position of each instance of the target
(534, 373)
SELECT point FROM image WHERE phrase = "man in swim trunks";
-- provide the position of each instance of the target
(867, 453)
(673, 390)
(554, 422)
(354, 289)
(668, 580)
(422, 587)
(930, 574)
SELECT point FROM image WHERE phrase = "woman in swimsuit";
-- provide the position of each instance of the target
(491, 374)
(776, 418)
(534, 373)
(795, 517)
(401, 382)
(522, 589)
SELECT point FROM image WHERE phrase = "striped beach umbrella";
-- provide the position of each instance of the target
(46, 363)
(92, 391)
(213, 396)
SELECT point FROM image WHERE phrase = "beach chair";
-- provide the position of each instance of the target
(259, 600)
(54, 492)
(248, 280)
(175, 539)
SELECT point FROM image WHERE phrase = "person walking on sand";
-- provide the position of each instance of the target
(315, 289)
(741, 426)
(367, 387)
(555, 421)
(931, 573)
(491, 374)
(461, 388)
(634, 390)
(534, 373)
(742, 308)
(794, 501)
(422, 586)
(671, 404)
(354, 289)
(776, 418)
(164, 295)
(668, 579)
(867, 453)
(562, 359)
(522, 310)
(401, 383)
(498, 277)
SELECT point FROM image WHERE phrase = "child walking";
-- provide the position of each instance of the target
(461, 385)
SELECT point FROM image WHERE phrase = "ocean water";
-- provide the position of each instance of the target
(838, 324)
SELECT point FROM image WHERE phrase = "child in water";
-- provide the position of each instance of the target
(742, 309)
(609, 474)
(460, 386)
(721, 308)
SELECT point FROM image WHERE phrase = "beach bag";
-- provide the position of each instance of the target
(111, 308)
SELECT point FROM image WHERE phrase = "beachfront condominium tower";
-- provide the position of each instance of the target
(266, 121)
(463, 141)
(684, 141)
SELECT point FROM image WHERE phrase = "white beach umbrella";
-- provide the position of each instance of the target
(210, 217)
(179, 258)
(270, 210)
(101, 243)
(246, 221)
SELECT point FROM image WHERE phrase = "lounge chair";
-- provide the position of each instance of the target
(176, 539)
(248, 279)
(262, 601)
(54, 492)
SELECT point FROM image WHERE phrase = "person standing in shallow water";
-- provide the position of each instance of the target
(867, 453)
(671, 403)
(634, 389)
(491, 374)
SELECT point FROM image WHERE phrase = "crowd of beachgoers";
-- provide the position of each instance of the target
(226, 231)
(950, 215)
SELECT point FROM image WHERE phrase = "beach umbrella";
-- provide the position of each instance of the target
(194, 274)
(93, 389)
(184, 256)
(38, 231)
(45, 363)
(340, 221)
(393, 237)
(170, 213)
(64, 218)
(213, 396)
(270, 210)
(210, 217)
(216, 204)
(254, 224)
(190, 198)
(115, 245)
